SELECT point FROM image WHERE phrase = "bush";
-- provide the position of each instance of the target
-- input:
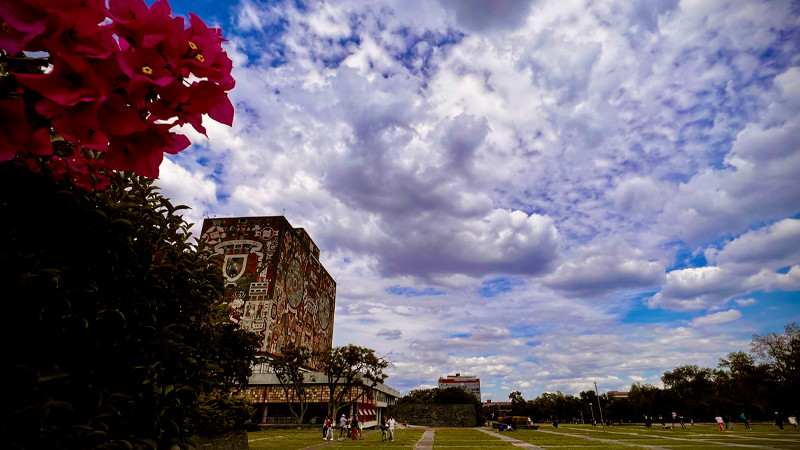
(219, 413)
(117, 319)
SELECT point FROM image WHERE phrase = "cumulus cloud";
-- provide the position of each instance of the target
(389, 335)
(596, 270)
(483, 15)
(755, 184)
(746, 301)
(694, 289)
(717, 318)
(774, 246)
(477, 174)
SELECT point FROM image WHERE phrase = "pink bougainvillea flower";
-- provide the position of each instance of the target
(144, 67)
(21, 23)
(64, 85)
(174, 101)
(78, 36)
(204, 44)
(143, 151)
(190, 103)
(77, 123)
(84, 172)
(119, 118)
(144, 27)
(16, 135)
(206, 58)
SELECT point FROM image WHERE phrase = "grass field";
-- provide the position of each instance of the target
(566, 437)
(290, 439)
(700, 436)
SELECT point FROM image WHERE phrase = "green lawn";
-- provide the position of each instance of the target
(292, 439)
(449, 438)
(289, 439)
(701, 436)
(566, 437)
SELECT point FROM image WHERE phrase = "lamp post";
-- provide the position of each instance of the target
(592, 410)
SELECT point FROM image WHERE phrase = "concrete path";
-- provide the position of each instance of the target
(507, 438)
(426, 441)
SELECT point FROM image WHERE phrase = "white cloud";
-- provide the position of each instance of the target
(596, 270)
(717, 318)
(775, 246)
(557, 151)
(746, 301)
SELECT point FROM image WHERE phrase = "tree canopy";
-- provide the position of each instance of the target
(757, 383)
(347, 367)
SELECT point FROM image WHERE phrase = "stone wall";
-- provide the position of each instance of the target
(435, 415)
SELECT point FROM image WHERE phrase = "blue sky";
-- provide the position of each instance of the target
(543, 194)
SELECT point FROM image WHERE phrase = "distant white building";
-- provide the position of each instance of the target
(467, 382)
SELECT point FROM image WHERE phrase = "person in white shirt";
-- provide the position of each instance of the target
(343, 427)
(392, 423)
(720, 422)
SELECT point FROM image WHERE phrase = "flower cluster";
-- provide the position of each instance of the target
(113, 77)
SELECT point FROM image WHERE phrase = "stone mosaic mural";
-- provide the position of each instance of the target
(275, 285)
(435, 415)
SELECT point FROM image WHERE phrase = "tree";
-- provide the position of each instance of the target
(781, 354)
(693, 388)
(645, 399)
(118, 317)
(419, 396)
(517, 403)
(350, 367)
(289, 367)
(454, 396)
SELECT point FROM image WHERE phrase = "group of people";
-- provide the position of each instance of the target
(354, 428)
(347, 428)
(387, 429)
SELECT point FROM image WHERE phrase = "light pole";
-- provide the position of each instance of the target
(592, 410)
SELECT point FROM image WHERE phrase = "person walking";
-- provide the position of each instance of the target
(343, 427)
(745, 420)
(325, 426)
(354, 428)
(778, 420)
(384, 429)
(392, 424)
(721, 423)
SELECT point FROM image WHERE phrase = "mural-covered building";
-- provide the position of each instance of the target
(275, 285)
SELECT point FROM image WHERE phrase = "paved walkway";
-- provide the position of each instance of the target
(426, 441)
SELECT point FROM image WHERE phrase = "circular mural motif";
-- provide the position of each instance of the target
(294, 283)
(324, 311)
